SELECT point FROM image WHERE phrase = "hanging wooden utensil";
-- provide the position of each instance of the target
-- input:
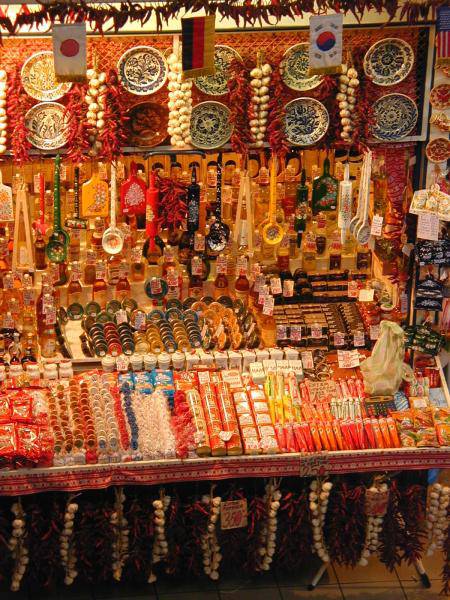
(273, 232)
(95, 197)
(40, 226)
(219, 232)
(362, 229)
(133, 194)
(58, 241)
(6, 202)
(345, 203)
(76, 222)
(112, 240)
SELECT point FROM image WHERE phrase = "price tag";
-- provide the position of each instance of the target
(428, 226)
(196, 265)
(359, 339)
(307, 359)
(136, 254)
(296, 333)
(313, 465)
(121, 316)
(63, 172)
(339, 339)
(259, 282)
(348, 359)
(36, 183)
(366, 295)
(269, 303)
(155, 286)
(48, 304)
(288, 288)
(123, 269)
(263, 292)
(199, 242)
(221, 264)
(139, 320)
(242, 264)
(404, 302)
(281, 332)
(376, 503)
(233, 514)
(172, 278)
(29, 297)
(353, 289)
(256, 270)
(285, 241)
(374, 331)
(316, 331)
(8, 321)
(120, 170)
(50, 315)
(100, 270)
(275, 285)
(377, 225)
(102, 171)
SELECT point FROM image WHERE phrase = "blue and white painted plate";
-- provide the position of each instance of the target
(210, 125)
(217, 84)
(294, 69)
(306, 121)
(389, 61)
(395, 115)
(142, 70)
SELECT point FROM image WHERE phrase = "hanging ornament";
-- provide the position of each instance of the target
(180, 100)
(17, 545)
(318, 505)
(260, 83)
(66, 543)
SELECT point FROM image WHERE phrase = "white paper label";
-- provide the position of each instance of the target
(358, 339)
(307, 360)
(366, 295)
(428, 226)
(296, 333)
(377, 225)
(374, 332)
(269, 303)
(348, 359)
(275, 285)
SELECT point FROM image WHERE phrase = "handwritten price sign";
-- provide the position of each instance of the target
(312, 465)
(233, 514)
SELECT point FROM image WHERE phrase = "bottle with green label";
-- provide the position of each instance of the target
(325, 190)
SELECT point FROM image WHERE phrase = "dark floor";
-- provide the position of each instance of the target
(363, 583)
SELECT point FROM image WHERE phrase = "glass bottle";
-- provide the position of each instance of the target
(283, 254)
(221, 280)
(325, 190)
(185, 248)
(193, 203)
(268, 330)
(137, 264)
(309, 252)
(113, 265)
(89, 269)
(242, 285)
(123, 288)
(29, 356)
(363, 257)
(289, 200)
(40, 257)
(74, 289)
(48, 340)
(335, 251)
(62, 276)
(168, 260)
(195, 286)
(321, 233)
(75, 245)
(100, 288)
(97, 237)
(15, 350)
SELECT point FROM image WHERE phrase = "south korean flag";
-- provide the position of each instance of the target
(325, 44)
(69, 51)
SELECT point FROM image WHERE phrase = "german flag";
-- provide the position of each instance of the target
(198, 46)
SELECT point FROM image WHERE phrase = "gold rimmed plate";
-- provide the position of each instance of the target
(47, 125)
(39, 79)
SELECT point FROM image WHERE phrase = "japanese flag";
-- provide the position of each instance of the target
(325, 44)
(69, 52)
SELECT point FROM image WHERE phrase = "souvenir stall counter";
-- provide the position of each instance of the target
(223, 295)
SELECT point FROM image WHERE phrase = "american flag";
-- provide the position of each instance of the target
(443, 36)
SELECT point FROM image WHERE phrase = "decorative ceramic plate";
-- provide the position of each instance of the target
(39, 79)
(210, 125)
(440, 96)
(388, 61)
(294, 69)
(441, 121)
(147, 124)
(438, 150)
(395, 116)
(47, 125)
(142, 70)
(306, 121)
(216, 85)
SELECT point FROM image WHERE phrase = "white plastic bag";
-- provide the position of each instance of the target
(384, 370)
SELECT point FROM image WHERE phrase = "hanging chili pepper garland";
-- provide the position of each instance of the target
(172, 205)
(114, 134)
(18, 104)
(77, 132)
(239, 102)
(275, 129)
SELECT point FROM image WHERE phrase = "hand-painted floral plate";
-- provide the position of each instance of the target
(306, 121)
(389, 61)
(217, 84)
(147, 124)
(438, 150)
(210, 125)
(294, 69)
(142, 70)
(395, 115)
(47, 125)
(39, 79)
(440, 96)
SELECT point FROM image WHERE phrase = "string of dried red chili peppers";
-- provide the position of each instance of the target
(18, 104)
(277, 111)
(172, 203)
(77, 133)
(114, 134)
(241, 112)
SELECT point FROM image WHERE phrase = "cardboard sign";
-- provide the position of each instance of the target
(233, 514)
(376, 503)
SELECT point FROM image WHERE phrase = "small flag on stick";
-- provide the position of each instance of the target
(443, 37)
(69, 51)
(197, 34)
(325, 44)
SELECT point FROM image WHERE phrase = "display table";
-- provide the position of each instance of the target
(84, 477)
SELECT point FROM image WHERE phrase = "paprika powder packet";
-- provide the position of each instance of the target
(441, 418)
(7, 441)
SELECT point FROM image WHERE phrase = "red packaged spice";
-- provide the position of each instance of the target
(213, 419)
(7, 441)
(5, 412)
(21, 408)
(229, 420)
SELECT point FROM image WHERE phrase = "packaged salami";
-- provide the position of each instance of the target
(213, 419)
(441, 418)
(230, 427)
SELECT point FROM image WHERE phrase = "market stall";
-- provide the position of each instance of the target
(224, 290)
